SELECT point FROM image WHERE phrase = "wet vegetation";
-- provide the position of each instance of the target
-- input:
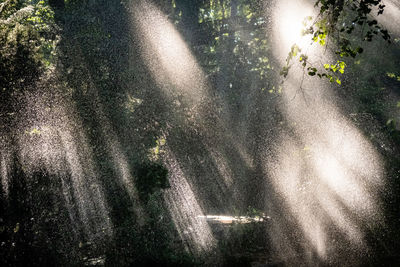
(124, 123)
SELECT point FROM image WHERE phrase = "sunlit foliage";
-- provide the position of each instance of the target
(27, 39)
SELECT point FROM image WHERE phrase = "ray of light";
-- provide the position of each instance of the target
(223, 167)
(120, 163)
(328, 174)
(167, 55)
(115, 151)
(4, 170)
(185, 209)
(57, 144)
(87, 189)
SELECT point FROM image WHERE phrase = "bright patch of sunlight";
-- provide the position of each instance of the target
(290, 16)
(224, 219)
(132, 103)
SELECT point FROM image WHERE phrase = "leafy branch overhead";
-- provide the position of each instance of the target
(339, 19)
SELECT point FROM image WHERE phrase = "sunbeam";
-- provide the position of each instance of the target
(4, 169)
(325, 170)
(167, 55)
(185, 210)
(57, 144)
